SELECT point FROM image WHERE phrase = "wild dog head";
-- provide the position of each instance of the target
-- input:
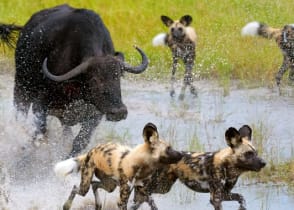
(245, 156)
(177, 28)
(287, 43)
(288, 33)
(160, 150)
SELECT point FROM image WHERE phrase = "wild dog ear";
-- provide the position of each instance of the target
(150, 133)
(245, 131)
(166, 20)
(233, 137)
(186, 20)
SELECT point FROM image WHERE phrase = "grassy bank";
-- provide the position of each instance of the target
(221, 53)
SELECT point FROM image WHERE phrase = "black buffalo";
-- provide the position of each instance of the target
(66, 66)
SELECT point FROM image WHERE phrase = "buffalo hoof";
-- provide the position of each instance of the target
(40, 139)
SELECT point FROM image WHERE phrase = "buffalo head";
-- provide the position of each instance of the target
(102, 75)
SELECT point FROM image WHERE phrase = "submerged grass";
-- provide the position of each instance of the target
(221, 51)
(276, 171)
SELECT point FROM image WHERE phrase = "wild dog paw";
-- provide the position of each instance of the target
(193, 91)
(181, 96)
(172, 93)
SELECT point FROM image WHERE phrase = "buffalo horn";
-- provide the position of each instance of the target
(72, 73)
(137, 69)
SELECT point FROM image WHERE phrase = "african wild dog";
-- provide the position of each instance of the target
(117, 165)
(210, 172)
(181, 39)
(285, 40)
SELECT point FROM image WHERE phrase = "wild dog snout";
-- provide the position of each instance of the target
(172, 156)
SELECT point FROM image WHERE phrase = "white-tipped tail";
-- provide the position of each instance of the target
(66, 167)
(250, 29)
(159, 39)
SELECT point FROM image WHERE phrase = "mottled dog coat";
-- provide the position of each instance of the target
(285, 40)
(117, 165)
(181, 39)
(210, 172)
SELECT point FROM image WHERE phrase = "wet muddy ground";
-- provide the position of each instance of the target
(28, 182)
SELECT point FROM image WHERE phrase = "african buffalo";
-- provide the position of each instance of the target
(66, 66)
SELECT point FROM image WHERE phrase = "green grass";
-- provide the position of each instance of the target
(275, 173)
(221, 51)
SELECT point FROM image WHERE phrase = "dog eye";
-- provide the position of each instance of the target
(249, 154)
(180, 29)
(172, 29)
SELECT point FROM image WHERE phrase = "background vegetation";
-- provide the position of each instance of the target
(222, 52)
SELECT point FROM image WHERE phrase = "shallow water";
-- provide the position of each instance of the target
(192, 124)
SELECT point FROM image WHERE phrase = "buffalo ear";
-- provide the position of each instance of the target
(233, 137)
(186, 20)
(120, 56)
(150, 133)
(166, 20)
(245, 132)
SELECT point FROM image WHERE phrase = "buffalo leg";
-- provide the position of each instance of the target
(83, 137)
(67, 131)
(21, 101)
(40, 113)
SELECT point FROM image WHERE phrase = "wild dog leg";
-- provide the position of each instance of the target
(282, 70)
(141, 196)
(86, 177)
(108, 184)
(188, 78)
(216, 199)
(68, 203)
(98, 203)
(216, 191)
(124, 192)
(291, 73)
(236, 197)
